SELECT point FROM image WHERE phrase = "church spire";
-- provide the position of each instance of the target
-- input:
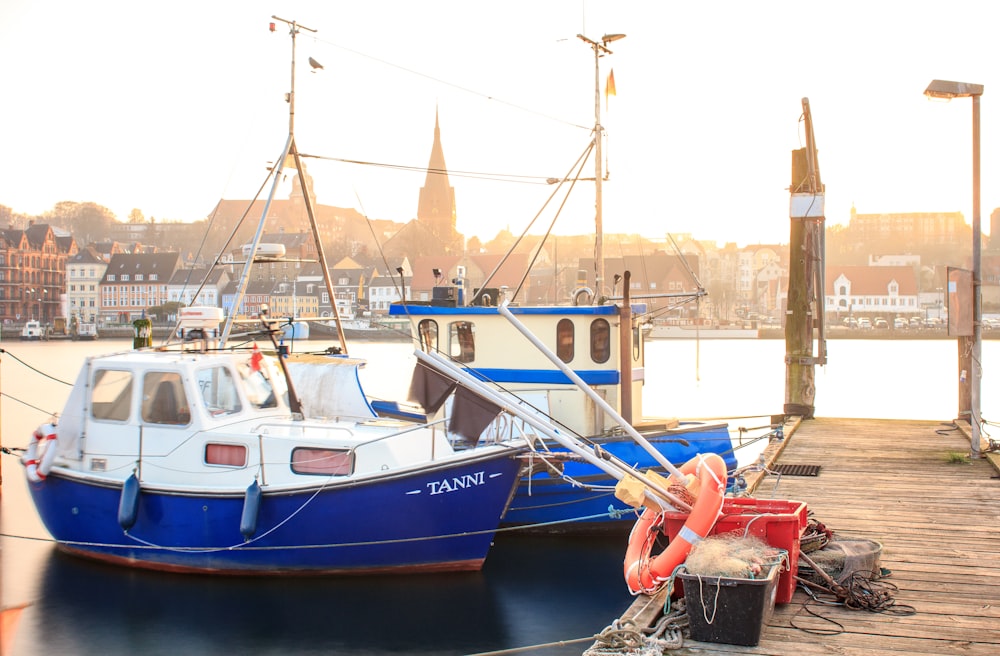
(436, 205)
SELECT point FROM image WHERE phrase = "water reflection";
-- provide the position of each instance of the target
(533, 590)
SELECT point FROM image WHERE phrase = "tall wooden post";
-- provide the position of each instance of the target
(806, 278)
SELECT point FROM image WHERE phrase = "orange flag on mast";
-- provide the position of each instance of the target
(609, 88)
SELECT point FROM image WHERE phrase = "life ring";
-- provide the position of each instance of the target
(645, 573)
(38, 468)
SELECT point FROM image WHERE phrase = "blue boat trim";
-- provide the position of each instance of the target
(546, 376)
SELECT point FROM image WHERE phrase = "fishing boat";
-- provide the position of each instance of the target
(198, 460)
(201, 455)
(591, 387)
(662, 330)
(602, 347)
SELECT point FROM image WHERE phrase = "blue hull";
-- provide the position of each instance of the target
(548, 503)
(440, 519)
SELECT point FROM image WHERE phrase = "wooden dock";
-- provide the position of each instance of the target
(904, 484)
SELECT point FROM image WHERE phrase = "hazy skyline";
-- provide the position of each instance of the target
(168, 110)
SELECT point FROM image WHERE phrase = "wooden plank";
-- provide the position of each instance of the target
(897, 482)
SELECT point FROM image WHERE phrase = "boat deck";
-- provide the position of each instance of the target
(897, 482)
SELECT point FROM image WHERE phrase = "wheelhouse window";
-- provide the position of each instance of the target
(462, 341)
(428, 330)
(600, 341)
(324, 462)
(111, 399)
(218, 391)
(164, 400)
(565, 340)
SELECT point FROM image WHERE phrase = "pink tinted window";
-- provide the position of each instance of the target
(232, 455)
(329, 462)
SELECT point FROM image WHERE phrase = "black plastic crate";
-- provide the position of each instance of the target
(729, 610)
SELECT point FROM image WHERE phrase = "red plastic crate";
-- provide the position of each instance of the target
(778, 522)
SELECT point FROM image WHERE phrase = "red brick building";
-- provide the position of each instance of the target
(33, 273)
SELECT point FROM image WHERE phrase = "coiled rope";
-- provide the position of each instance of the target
(623, 638)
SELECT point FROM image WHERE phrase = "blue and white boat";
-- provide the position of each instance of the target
(603, 346)
(193, 460)
(202, 456)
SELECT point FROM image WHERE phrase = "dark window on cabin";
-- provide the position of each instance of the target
(230, 455)
(164, 400)
(111, 399)
(428, 330)
(462, 341)
(636, 337)
(324, 462)
(600, 341)
(565, 340)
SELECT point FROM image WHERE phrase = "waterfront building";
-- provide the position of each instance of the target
(887, 291)
(84, 272)
(198, 286)
(133, 283)
(33, 272)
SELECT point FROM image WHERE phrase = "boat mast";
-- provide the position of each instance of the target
(599, 49)
(290, 149)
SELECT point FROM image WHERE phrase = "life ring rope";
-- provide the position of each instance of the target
(646, 573)
(37, 468)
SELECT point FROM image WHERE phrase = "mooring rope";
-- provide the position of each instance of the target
(624, 638)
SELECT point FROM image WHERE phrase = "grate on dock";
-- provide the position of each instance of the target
(797, 470)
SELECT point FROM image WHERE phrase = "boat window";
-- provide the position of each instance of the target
(326, 462)
(111, 399)
(565, 340)
(428, 329)
(218, 391)
(164, 400)
(600, 341)
(462, 341)
(230, 455)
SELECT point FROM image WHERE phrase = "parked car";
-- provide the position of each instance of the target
(916, 322)
(864, 323)
(900, 323)
(880, 323)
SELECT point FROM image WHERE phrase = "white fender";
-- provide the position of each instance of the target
(38, 467)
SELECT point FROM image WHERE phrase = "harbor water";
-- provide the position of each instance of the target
(532, 590)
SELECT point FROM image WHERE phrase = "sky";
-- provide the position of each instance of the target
(168, 110)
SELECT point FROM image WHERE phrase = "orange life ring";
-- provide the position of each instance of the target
(645, 573)
(37, 468)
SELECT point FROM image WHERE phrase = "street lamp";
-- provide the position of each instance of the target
(948, 90)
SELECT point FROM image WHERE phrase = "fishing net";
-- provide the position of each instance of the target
(731, 556)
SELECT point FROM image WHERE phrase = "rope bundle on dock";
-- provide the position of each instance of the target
(625, 639)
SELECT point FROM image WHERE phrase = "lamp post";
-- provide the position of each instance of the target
(948, 90)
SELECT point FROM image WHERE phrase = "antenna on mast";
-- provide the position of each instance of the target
(600, 49)
(293, 30)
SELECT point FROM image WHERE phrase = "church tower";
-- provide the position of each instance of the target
(436, 206)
